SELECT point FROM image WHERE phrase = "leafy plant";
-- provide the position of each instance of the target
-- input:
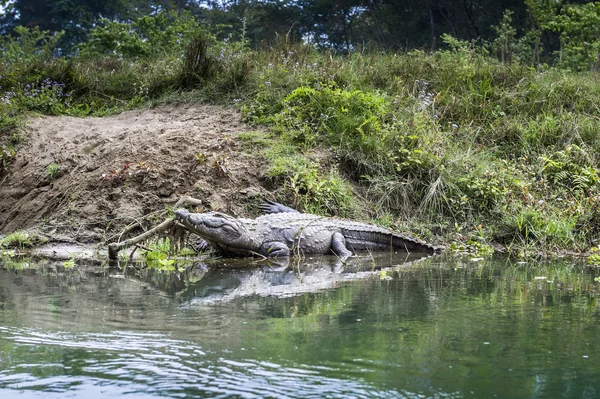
(483, 189)
(52, 171)
(310, 189)
(48, 97)
(28, 45)
(18, 239)
(569, 168)
(505, 37)
(7, 156)
(472, 247)
(579, 27)
(152, 35)
(594, 259)
(158, 259)
(69, 264)
(157, 256)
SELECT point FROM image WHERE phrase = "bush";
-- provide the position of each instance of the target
(30, 45)
(150, 36)
(198, 65)
(21, 240)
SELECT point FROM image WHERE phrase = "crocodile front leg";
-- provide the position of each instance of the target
(338, 246)
(274, 249)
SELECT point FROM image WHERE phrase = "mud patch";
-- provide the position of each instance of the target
(114, 170)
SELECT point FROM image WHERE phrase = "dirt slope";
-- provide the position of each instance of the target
(114, 170)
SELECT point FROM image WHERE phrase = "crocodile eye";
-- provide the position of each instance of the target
(217, 220)
(213, 223)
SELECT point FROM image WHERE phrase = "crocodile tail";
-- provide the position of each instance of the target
(412, 244)
(379, 238)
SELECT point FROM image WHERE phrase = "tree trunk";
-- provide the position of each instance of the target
(469, 12)
(432, 26)
(378, 31)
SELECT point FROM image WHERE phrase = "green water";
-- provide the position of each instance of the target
(441, 328)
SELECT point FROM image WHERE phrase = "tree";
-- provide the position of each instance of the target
(579, 27)
(260, 21)
(74, 17)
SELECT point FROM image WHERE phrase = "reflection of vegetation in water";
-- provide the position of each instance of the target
(161, 254)
(21, 359)
(10, 260)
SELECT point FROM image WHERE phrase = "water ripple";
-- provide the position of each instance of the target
(143, 364)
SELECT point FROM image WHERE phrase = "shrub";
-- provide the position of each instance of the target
(7, 156)
(18, 240)
(198, 65)
(29, 45)
(483, 190)
(154, 35)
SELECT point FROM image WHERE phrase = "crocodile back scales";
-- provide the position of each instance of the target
(359, 236)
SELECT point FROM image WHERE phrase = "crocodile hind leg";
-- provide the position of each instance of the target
(338, 246)
(275, 207)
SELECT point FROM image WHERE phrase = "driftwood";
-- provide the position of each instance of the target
(177, 230)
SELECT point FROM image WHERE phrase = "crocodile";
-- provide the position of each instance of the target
(285, 231)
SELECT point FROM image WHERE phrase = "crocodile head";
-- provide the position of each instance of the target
(215, 227)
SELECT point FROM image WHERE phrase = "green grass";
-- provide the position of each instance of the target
(20, 239)
(460, 142)
(299, 180)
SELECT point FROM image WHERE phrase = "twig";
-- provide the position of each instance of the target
(132, 252)
(187, 200)
(135, 223)
(127, 229)
(143, 247)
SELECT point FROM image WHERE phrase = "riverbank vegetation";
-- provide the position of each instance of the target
(477, 142)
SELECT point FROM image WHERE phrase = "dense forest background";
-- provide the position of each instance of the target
(535, 31)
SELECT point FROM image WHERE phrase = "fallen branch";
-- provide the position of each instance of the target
(114, 248)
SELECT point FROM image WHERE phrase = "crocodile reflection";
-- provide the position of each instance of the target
(229, 279)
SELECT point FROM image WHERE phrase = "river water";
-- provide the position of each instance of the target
(442, 327)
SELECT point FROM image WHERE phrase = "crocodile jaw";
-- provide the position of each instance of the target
(213, 226)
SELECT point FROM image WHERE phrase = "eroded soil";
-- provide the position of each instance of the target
(115, 170)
